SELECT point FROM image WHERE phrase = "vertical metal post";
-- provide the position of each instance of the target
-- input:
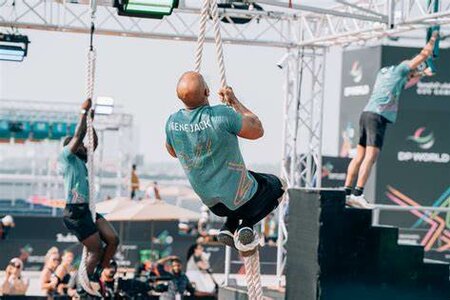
(119, 165)
(391, 14)
(320, 125)
(375, 216)
(227, 264)
(303, 127)
(289, 165)
(100, 164)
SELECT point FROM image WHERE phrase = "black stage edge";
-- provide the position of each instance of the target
(240, 293)
(335, 253)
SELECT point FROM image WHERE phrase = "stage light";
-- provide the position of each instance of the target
(238, 5)
(282, 62)
(13, 47)
(153, 9)
(104, 106)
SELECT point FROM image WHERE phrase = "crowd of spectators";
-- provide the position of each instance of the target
(163, 278)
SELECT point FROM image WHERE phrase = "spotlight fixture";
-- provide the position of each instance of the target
(238, 5)
(153, 9)
(104, 106)
(13, 47)
(282, 62)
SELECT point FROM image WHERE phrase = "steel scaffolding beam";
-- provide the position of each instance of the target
(267, 28)
(349, 22)
(302, 136)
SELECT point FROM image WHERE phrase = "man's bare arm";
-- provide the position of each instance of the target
(95, 139)
(80, 131)
(425, 53)
(170, 150)
(252, 127)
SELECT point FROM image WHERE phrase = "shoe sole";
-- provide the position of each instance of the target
(246, 236)
(356, 204)
(226, 239)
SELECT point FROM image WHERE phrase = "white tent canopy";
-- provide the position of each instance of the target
(113, 205)
(152, 210)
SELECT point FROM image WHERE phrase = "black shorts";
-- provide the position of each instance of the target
(263, 202)
(372, 127)
(78, 220)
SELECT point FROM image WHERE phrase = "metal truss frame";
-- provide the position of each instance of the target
(267, 28)
(302, 132)
(304, 31)
(349, 22)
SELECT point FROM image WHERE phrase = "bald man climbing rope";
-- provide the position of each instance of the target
(205, 140)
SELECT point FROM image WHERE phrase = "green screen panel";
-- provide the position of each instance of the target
(41, 130)
(4, 130)
(58, 131)
(21, 129)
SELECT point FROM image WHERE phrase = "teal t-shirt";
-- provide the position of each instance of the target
(76, 182)
(206, 143)
(389, 84)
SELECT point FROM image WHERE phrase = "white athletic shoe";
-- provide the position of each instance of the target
(347, 198)
(358, 202)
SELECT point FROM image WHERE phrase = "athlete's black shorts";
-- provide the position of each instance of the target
(263, 202)
(372, 127)
(78, 220)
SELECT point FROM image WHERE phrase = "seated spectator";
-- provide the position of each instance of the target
(49, 282)
(62, 272)
(198, 270)
(157, 269)
(142, 269)
(179, 285)
(6, 223)
(14, 284)
(50, 252)
(107, 280)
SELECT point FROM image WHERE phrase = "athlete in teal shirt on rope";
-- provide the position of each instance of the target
(381, 109)
(205, 140)
(77, 215)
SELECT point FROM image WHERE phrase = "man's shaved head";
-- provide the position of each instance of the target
(192, 89)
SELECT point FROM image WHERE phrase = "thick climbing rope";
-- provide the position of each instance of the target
(83, 278)
(210, 6)
(249, 253)
(250, 256)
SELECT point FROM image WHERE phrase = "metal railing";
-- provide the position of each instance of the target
(380, 207)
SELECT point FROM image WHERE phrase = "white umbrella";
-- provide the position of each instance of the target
(174, 191)
(152, 210)
(113, 205)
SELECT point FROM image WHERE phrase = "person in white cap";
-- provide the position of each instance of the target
(6, 223)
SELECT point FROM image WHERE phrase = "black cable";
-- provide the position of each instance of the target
(91, 45)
